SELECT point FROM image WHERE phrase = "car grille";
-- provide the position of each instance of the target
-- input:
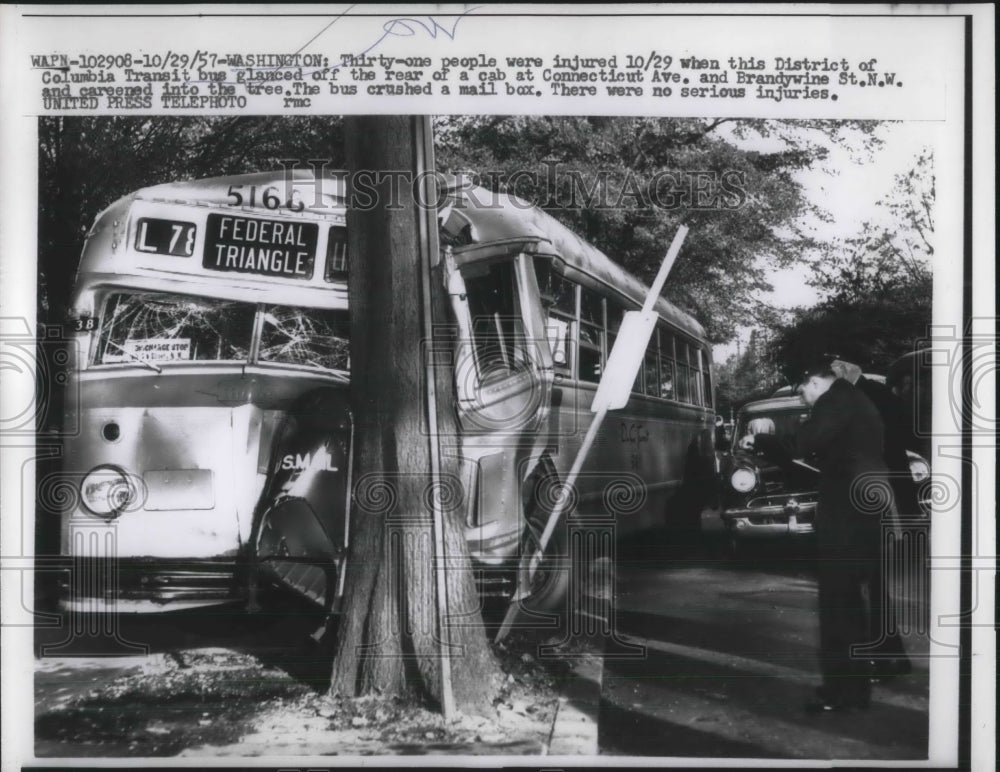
(781, 500)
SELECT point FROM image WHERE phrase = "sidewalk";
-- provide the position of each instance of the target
(219, 702)
(574, 730)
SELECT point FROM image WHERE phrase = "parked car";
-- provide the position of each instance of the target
(768, 498)
(763, 498)
(910, 379)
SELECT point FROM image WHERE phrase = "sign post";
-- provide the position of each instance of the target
(612, 394)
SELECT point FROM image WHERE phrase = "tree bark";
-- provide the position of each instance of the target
(389, 639)
(476, 675)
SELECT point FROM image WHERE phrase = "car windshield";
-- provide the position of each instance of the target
(783, 423)
(155, 328)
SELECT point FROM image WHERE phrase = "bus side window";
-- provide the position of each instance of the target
(699, 373)
(707, 374)
(666, 366)
(683, 373)
(591, 333)
(650, 367)
(558, 293)
(615, 315)
(497, 328)
(558, 296)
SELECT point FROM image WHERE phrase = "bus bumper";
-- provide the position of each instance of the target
(138, 585)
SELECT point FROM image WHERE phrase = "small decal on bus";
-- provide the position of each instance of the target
(320, 461)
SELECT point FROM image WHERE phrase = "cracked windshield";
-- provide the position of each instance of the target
(156, 327)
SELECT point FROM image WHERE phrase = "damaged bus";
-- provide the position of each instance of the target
(215, 435)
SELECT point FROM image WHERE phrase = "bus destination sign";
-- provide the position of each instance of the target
(261, 247)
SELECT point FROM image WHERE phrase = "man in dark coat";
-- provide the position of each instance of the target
(844, 436)
(886, 650)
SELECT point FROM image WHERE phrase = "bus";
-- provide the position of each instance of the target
(215, 440)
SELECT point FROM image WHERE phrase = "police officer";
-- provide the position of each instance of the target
(844, 434)
(885, 649)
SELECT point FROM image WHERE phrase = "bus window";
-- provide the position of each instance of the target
(558, 293)
(497, 329)
(558, 332)
(305, 336)
(591, 328)
(697, 382)
(155, 327)
(558, 296)
(615, 314)
(683, 373)
(592, 315)
(667, 379)
(590, 363)
(707, 379)
(650, 367)
(647, 381)
(666, 366)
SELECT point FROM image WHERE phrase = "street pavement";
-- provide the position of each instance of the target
(730, 660)
(710, 658)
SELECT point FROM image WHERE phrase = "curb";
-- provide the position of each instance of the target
(574, 729)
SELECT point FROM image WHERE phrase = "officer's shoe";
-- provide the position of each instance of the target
(885, 669)
(826, 702)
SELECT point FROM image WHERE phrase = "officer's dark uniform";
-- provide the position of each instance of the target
(844, 432)
(886, 645)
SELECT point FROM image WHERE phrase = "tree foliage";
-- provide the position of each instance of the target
(625, 184)
(876, 284)
(750, 373)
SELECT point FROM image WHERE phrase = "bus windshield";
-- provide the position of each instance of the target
(166, 328)
(304, 336)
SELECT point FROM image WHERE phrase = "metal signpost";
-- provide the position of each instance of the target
(612, 394)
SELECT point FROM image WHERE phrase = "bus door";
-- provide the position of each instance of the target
(503, 367)
(503, 378)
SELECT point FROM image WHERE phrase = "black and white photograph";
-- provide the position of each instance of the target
(344, 421)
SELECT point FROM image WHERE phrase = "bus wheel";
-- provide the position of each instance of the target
(550, 583)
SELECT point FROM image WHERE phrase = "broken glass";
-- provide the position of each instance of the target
(308, 337)
(158, 327)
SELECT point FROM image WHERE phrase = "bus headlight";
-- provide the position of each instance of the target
(107, 491)
(743, 479)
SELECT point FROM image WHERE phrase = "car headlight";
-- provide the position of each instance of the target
(920, 470)
(108, 491)
(743, 479)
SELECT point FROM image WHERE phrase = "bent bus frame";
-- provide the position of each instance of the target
(215, 427)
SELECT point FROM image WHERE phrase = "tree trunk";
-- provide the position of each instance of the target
(389, 639)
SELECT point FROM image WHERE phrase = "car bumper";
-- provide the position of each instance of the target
(770, 521)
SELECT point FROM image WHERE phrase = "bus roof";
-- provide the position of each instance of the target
(218, 191)
(491, 217)
(502, 216)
